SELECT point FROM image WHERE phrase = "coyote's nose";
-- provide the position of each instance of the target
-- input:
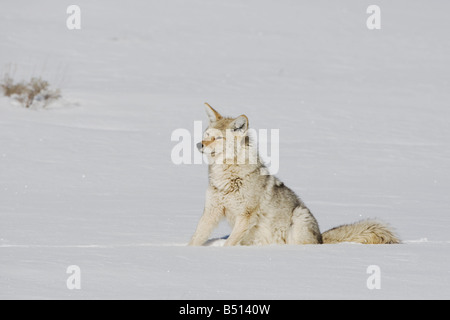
(200, 146)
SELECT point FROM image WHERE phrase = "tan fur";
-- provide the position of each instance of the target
(216, 114)
(258, 206)
(366, 232)
(207, 143)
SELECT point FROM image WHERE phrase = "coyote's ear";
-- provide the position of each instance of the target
(240, 124)
(213, 115)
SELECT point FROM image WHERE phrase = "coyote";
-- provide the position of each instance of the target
(258, 206)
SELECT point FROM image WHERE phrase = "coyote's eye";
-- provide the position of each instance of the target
(218, 138)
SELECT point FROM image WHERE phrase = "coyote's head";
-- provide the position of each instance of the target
(225, 140)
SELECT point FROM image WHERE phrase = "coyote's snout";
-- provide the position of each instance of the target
(258, 206)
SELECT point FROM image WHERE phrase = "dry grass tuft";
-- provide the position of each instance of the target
(36, 91)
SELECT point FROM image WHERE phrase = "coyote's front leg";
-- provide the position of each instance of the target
(240, 228)
(209, 220)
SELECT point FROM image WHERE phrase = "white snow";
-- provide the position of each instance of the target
(364, 132)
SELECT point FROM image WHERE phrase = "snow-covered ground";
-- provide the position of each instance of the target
(364, 132)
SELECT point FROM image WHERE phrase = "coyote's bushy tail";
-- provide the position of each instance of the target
(365, 231)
